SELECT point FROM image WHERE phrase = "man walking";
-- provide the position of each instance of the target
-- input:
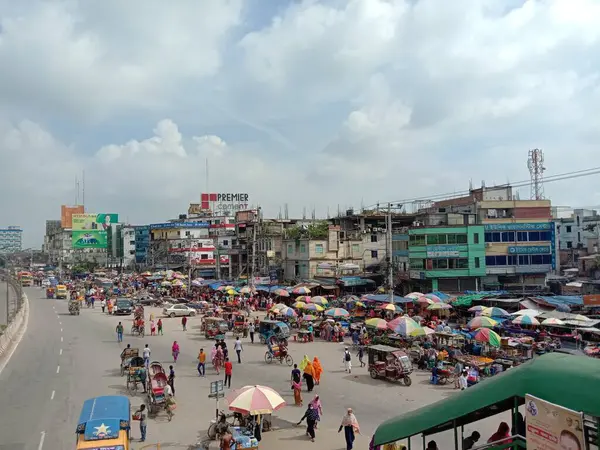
(146, 354)
(348, 360)
(141, 414)
(238, 349)
(171, 379)
(251, 330)
(119, 330)
(184, 323)
(201, 363)
(228, 371)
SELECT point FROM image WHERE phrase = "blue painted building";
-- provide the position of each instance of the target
(142, 243)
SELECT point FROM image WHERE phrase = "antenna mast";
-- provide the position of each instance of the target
(83, 188)
(535, 164)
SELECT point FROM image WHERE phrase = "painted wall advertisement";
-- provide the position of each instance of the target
(552, 427)
(90, 230)
(66, 214)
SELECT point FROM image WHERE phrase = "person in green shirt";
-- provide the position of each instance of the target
(119, 332)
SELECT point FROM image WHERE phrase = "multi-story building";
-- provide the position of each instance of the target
(141, 243)
(578, 235)
(447, 258)
(519, 235)
(121, 246)
(11, 239)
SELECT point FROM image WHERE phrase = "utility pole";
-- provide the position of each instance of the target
(253, 266)
(389, 252)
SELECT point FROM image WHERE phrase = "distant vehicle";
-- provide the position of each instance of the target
(26, 279)
(61, 291)
(124, 307)
(179, 311)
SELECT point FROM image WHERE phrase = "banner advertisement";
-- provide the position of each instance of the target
(89, 239)
(552, 427)
(94, 221)
(66, 214)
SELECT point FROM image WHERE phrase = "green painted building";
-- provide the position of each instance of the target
(447, 258)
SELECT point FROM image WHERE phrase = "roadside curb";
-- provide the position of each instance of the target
(13, 334)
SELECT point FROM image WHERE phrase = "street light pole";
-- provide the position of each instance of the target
(389, 252)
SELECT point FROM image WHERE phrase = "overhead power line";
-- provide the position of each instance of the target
(522, 183)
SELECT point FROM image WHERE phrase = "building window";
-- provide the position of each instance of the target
(456, 239)
(578, 222)
(355, 248)
(319, 249)
(476, 260)
(373, 238)
(416, 263)
(568, 228)
(578, 236)
(437, 239)
(204, 256)
(302, 248)
(417, 240)
(217, 222)
(290, 248)
(476, 239)
(374, 254)
(569, 244)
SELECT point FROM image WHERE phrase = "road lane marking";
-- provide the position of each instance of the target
(42, 440)
(61, 330)
(61, 339)
(60, 323)
(60, 353)
(52, 396)
(57, 369)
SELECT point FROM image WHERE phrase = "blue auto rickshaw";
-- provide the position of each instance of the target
(104, 422)
(273, 328)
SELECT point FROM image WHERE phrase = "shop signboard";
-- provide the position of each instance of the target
(175, 225)
(529, 250)
(518, 226)
(552, 427)
(66, 214)
(88, 239)
(94, 221)
(416, 275)
(443, 251)
(224, 203)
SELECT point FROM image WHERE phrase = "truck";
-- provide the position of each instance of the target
(61, 291)
(25, 278)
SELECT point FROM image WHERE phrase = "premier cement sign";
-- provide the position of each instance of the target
(225, 203)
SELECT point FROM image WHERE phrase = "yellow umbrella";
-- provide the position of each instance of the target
(231, 291)
(299, 305)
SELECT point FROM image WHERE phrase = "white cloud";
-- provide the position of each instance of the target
(330, 102)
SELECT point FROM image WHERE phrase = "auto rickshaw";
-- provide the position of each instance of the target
(50, 292)
(389, 363)
(273, 328)
(215, 327)
(240, 326)
(74, 307)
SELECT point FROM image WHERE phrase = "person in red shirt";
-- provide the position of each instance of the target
(228, 370)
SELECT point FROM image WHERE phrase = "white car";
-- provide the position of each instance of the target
(179, 311)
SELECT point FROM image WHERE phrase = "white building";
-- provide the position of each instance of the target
(580, 231)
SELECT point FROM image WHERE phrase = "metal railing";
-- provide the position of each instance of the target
(14, 296)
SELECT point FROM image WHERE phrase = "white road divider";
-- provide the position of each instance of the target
(13, 334)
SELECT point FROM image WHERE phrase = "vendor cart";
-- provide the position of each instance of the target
(157, 399)
(215, 328)
(126, 357)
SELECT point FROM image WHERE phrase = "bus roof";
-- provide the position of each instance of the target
(103, 417)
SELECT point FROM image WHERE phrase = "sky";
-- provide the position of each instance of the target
(308, 103)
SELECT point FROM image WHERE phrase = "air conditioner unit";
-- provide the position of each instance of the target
(488, 244)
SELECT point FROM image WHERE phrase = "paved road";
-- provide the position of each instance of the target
(65, 359)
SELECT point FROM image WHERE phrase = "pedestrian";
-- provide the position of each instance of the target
(311, 419)
(316, 404)
(251, 330)
(469, 442)
(201, 363)
(175, 351)
(309, 376)
(184, 323)
(361, 355)
(140, 414)
(146, 354)
(152, 328)
(317, 370)
(103, 305)
(347, 360)
(119, 332)
(228, 371)
(238, 348)
(463, 381)
(350, 426)
(296, 375)
(297, 387)
(458, 369)
(171, 379)
(159, 325)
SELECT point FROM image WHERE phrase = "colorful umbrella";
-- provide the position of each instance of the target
(196, 283)
(552, 321)
(255, 400)
(422, 331)
(580, 318)
(495, 312)
(314, 307)
(487, 336)
(302, 290)
(287, 312)
(359, 304)
(481, 322)
(527, 312)
(319, 300)
(247, 290)
(424, 301)
(231, 291)
(391, 307)
(434, 298)
(309, 317)
(525, 320)
(281, 292)
(146, 274)
(477, 308)
(438, 306)
(303, 298)
(403, 325)
(337, 312)
(415, 295)
(379, 324)
(299, 305)
(350, 298)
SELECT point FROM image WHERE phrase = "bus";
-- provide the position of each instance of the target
(26, 279)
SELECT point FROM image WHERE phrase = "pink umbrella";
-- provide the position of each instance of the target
(255, 400)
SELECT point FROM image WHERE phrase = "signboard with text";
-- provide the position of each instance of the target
(552, 427)
(544, 226)
(224, 203)
(90, 230)
(529, 250)
(443, 251)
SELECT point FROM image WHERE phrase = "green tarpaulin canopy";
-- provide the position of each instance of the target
(467, 300)
(566, 380)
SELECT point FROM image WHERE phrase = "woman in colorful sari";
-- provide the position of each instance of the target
(309, 376)
(350, 426)
(297, 387)
(316, 404)
(303, 363)
(317, 369)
